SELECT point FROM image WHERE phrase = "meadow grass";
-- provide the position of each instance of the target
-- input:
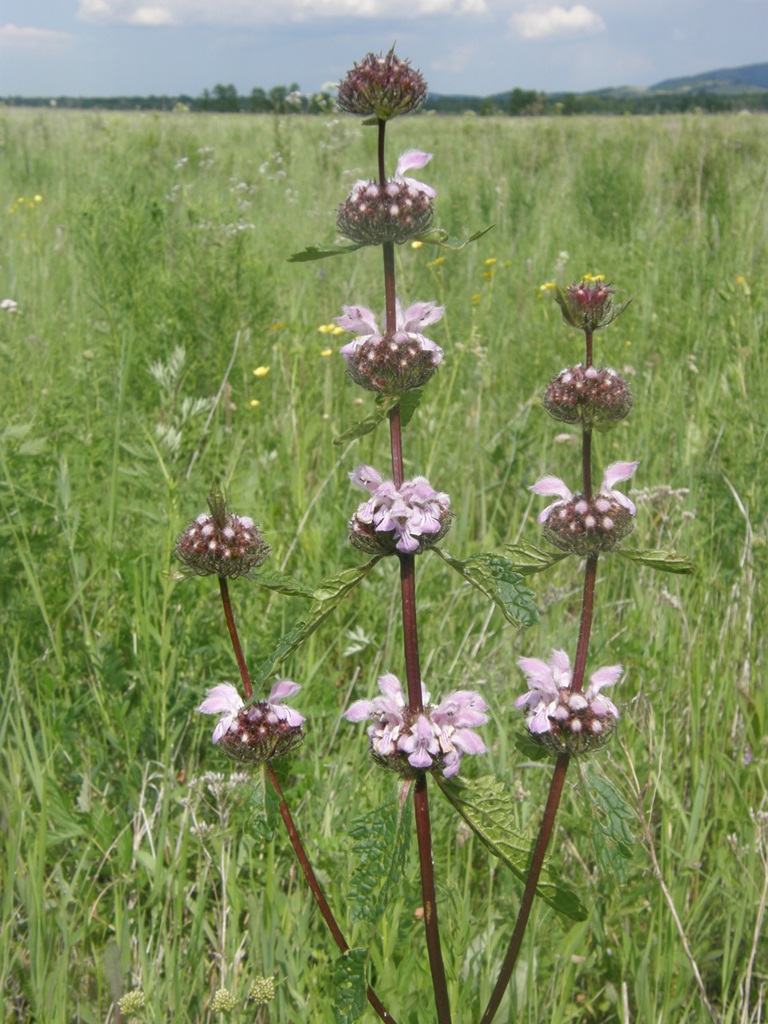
(159, 242)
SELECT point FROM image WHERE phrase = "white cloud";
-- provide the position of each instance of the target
(557, 22)
(254, 12)
(17, 37)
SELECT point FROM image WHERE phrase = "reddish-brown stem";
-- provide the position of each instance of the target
(233, 636)
(588, 354)
(381, 152)
(586, 464)
(429, 900)
(526, 903)
(585, 626)
(410, 632)
(314, 885)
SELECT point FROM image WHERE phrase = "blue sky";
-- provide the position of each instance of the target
(138, 47)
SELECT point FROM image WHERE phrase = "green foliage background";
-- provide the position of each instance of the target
(124, 864)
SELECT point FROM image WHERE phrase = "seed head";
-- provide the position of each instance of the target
(381, 87)
(220, 543)
(591, 397)
(394, 212)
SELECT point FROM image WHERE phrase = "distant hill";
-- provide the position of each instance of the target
(726, 81)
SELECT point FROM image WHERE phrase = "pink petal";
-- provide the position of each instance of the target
(607, 676)
(410, 160)
(561, 668)
(421, 314)
(366, 477)
(221, 699)
(359, 319)
(615, 473)
(283, 688)
(552, 485)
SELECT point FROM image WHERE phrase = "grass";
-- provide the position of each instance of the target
(124, 862)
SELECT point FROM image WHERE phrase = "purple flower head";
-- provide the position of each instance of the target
(391, 363)
(591, 397)
(258, 732)
(396, 211)
(588, 526)
(381, 87)
(435, 739)
(407, 519)
(559, 718)
(220, 543)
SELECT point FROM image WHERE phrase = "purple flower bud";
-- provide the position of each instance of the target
(221, 544)
(591, 397)
(560, 719)
(588, 305)
(433, 740)
(381, 87)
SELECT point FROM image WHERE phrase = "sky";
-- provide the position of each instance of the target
(475, 47)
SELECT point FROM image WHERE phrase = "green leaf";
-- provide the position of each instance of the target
(662, 561)
(439, 236)
(488, 808)
(529, 748)
(610, 820)
(409, 403)
(264, 806)
(381, 847)
(326, 597)
(284, 584)
(321, 252)
(362, 427)
(495, 576)
(349, 986)
(527, 559)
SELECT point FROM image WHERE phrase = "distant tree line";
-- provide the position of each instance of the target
(288, 99)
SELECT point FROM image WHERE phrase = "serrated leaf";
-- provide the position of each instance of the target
(381, 849)
(528, 559)
(283, 583)
(495, 576)
(662, 561)
(326, 597)
(349, 986)
(322, 252)
(365, 426)
(439, 236)
(610, 820)
(264, 807)
(488, 808)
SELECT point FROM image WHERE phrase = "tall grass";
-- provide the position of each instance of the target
(123, 863)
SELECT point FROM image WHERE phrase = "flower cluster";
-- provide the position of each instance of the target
(396, 211)
(391, 363)
(435, 739)
(221, 544)
(381, 87)
(588, 305)
(588, 526)
(263, 730)
(563, 720)
(592, 397)
(406, 519)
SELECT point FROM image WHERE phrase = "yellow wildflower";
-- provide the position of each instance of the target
(261, 371)
(255, 403)
(327, 352)
(487, 274)
(491, 261)
(277, 326)
(476, 298)
(417, 244)
(437, 262)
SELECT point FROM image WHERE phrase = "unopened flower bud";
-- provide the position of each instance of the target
(221, 543)
(591, 397)
(589, 305)
(381, 87)
(262, 990)
(223, 1001)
